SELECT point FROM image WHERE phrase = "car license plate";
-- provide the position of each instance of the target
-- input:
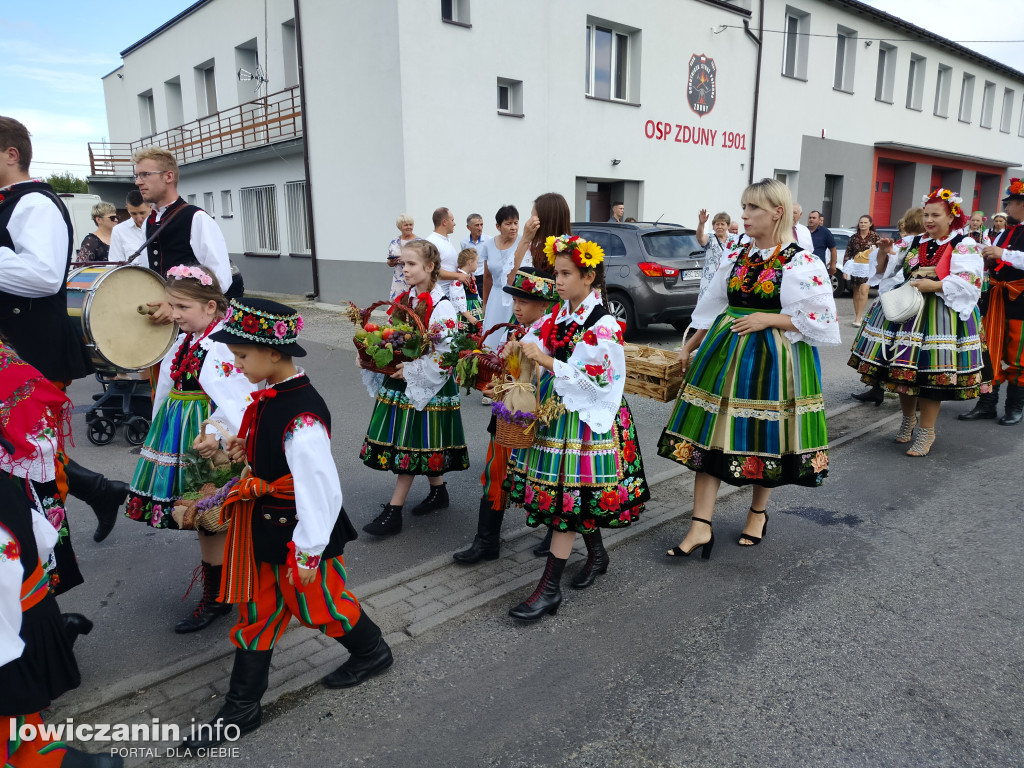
(692, 274)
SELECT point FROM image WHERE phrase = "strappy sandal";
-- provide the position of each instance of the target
(923, 444)
(754, 540)
(705, 548)
(906, 430)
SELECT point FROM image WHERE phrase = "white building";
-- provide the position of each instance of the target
(408, 105)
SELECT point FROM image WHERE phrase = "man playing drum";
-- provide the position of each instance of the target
(35, 256)
(187, 235)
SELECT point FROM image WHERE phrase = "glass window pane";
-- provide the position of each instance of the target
(446, 10)
(621, 65)
(602, 63)
(503, 98)
(587, 76)
(792, 28)
(840, 61)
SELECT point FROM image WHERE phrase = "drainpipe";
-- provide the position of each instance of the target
(305, 155)
(757, 82)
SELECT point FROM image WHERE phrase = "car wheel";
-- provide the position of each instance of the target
(838, 284)
(621, 308)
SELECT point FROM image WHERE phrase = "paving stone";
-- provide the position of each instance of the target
(384, 599)
(428, 596)
(424, 611)
(419, 627)
(302, 650)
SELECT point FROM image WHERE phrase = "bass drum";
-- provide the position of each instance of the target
(107, 304)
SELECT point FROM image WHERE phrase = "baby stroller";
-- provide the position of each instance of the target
(125, 402)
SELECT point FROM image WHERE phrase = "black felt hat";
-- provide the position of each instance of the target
(532, 285)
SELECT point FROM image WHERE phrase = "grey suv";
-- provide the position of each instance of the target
(652, 270)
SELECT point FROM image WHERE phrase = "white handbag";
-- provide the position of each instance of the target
(902, 304)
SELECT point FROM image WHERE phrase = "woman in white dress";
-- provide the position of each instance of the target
(498, 256)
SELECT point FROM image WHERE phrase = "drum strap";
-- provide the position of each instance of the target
(156, 231)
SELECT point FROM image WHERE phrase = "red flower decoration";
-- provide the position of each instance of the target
(250, 324)
(629, 451)
(594, 370)
(590, 524)
(753, 468)
(609, 501)
(528, 284)
(590, 338)
(435, 462)
(544, 500)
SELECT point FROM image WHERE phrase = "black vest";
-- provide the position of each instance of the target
(274, 519)
(39, 329)
(1008, 274)
(172, 247)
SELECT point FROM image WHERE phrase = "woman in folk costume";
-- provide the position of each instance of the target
(416, 426)
(197, 382)
(584, 471)
(937, 355)
(751, 410)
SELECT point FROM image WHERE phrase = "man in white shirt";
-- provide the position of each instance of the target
(801, 234)
(444, 225)
(187, 234)
(475, 225)
(128, 236)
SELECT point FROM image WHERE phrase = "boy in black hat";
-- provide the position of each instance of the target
(532, 295)
(288, 527)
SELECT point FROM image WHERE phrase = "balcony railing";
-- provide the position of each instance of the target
(273, 118)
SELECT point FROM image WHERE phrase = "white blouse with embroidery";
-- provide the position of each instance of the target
(961, 289)
(425, 375)
(805, 292)
(592, 380)
(11, 644)
(227, 388)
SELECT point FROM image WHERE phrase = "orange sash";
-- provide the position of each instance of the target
(34, 589)
(238, 584)
(994, 321)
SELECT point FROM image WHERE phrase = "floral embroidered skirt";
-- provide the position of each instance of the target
(159, 480)
(751, 410)
(575, 479)
(410, 442)
(939, 357)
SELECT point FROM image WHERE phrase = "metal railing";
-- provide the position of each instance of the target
(273, 118)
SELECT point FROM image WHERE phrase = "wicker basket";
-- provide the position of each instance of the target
(186, 515)
(513, 435)
(365, 361)
(654, 373)
(491, 364)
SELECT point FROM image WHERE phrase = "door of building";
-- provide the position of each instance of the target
(599, 201)
(832, 199)
(882, 209)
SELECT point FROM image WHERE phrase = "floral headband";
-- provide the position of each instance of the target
(1015, 188)
(950, 198)
(182, 272)
(537, 285)
(583, 253)
(261, 326)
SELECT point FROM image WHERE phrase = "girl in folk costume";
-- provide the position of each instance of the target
(464, 297)
(751, 410)
(937, 355)
(584, 471)
(416, 426)
(198, 382)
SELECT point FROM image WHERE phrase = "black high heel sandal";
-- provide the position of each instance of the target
(755, 540)
(705, 548)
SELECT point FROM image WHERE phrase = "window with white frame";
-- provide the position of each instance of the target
(797, 28)
(1007, 114)
(915, 82)
(846, 51)
(942, 85)
(885, 77)
(611, 62)
(966, 98)
(191, 199)
(988, 103)
(208, 202)
(455, 11)
(226, 208)
(206, 88)
(510, 97)
(298, 216)
(147, 113)
(259, 219)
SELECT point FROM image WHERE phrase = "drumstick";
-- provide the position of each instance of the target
(145, 309)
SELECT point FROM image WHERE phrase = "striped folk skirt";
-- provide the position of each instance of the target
(750, 411)
(159, 480)
(575, 479)
(938, 357)
(405, 441)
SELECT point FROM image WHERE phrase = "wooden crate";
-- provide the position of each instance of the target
(654, 373)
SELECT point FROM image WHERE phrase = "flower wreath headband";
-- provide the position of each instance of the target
(182, 272)
(952, 199)
(584, 254)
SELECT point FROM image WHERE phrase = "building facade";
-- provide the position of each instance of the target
(408, 105)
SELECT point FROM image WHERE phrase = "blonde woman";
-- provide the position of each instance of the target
(404, 222)
(96, 245)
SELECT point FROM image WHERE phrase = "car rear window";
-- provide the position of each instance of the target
(672, 245)
(841, 241)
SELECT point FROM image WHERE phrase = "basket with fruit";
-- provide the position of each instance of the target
(382, 348)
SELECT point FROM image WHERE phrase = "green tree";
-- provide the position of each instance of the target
(67, 182)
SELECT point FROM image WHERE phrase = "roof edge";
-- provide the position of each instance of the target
(165, 26)
(941, 153)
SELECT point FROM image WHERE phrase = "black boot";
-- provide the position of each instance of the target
(104, 496)
(369, 655)
(387, 523)
(1014, 406)
(597, 561)
(985, 408)
(250, 677)
(209, 608)
(74, 758)
(487, 544)
(544, 548)
(874, 395)
(546, 597)
(76, 624)
(436, 499)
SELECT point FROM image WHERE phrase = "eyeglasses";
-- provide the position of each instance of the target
(146, 174)
(112, 218)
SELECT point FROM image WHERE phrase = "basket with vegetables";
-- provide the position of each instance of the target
(475, 367)
(381, 349)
